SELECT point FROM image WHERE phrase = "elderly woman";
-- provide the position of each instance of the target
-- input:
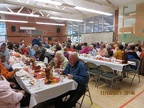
(8, 97)
(30, 51)
(92, 51)
(59, 61)
(103, 51)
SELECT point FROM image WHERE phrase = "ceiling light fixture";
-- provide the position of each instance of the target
(50, 2)
(19, 14)
(50, 23)
(2, 20)
(67, 19)
(93, 11)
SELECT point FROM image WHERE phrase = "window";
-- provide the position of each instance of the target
(108, 23)
(89, 25)
(81, 27)
(98, 23)
(69, 28)
(2, 32)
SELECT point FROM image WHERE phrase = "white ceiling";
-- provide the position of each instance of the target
(67, 10)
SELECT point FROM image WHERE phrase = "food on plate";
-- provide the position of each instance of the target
(31, 82)
(27, 76)
(36, 67)
(43, 73)
(35, 75)
(27, 62)
(17, 54)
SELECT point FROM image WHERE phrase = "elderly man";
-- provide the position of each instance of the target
(74, 70)
(92, 51)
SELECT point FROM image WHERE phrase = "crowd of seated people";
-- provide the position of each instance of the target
(62, 51)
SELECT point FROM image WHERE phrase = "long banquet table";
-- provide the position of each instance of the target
(114, 65)
(41, 92)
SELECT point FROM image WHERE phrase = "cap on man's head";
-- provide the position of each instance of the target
(38, 52)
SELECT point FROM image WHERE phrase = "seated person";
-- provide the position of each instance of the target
(40, 56)
(66, 53)
(72, 48)
(77, 71)
(30, 51)
(92, 51)
(118, 53)
(6, 64)
(103, 51)
(24, 50)
(84, 49)
(142, 53)
(8, 75)
(59, 61)
(132, 54)
(8, 97)
(5, 50)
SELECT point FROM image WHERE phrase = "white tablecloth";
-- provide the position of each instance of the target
(114, 65)
(44, 92)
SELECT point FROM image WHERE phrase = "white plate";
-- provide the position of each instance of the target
(21, 73)
(117, 62)
(17, 66)
(24, 78)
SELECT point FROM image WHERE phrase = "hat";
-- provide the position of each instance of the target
(38, 52)
(2, 55)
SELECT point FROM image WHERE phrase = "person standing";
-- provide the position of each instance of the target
(36, 41)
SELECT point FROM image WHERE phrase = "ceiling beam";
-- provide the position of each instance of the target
(9, 9)
(111, 3)
(100, 3)
(34, 6)
(20, 10)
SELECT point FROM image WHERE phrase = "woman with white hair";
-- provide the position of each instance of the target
(59, 61)
(92, 51)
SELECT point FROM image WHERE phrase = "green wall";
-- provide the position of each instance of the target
(130, 38)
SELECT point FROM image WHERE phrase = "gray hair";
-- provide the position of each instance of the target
(74, 54)
(36, 47)
(91, 46)
(61, 54)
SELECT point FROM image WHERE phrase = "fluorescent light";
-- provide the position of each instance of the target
(50, 23)
(94, 11)
(66, 19)
(19, 14)
(2, 20)
(27, 28)
(50, 2)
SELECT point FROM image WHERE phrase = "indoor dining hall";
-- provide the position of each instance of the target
(71, 53)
